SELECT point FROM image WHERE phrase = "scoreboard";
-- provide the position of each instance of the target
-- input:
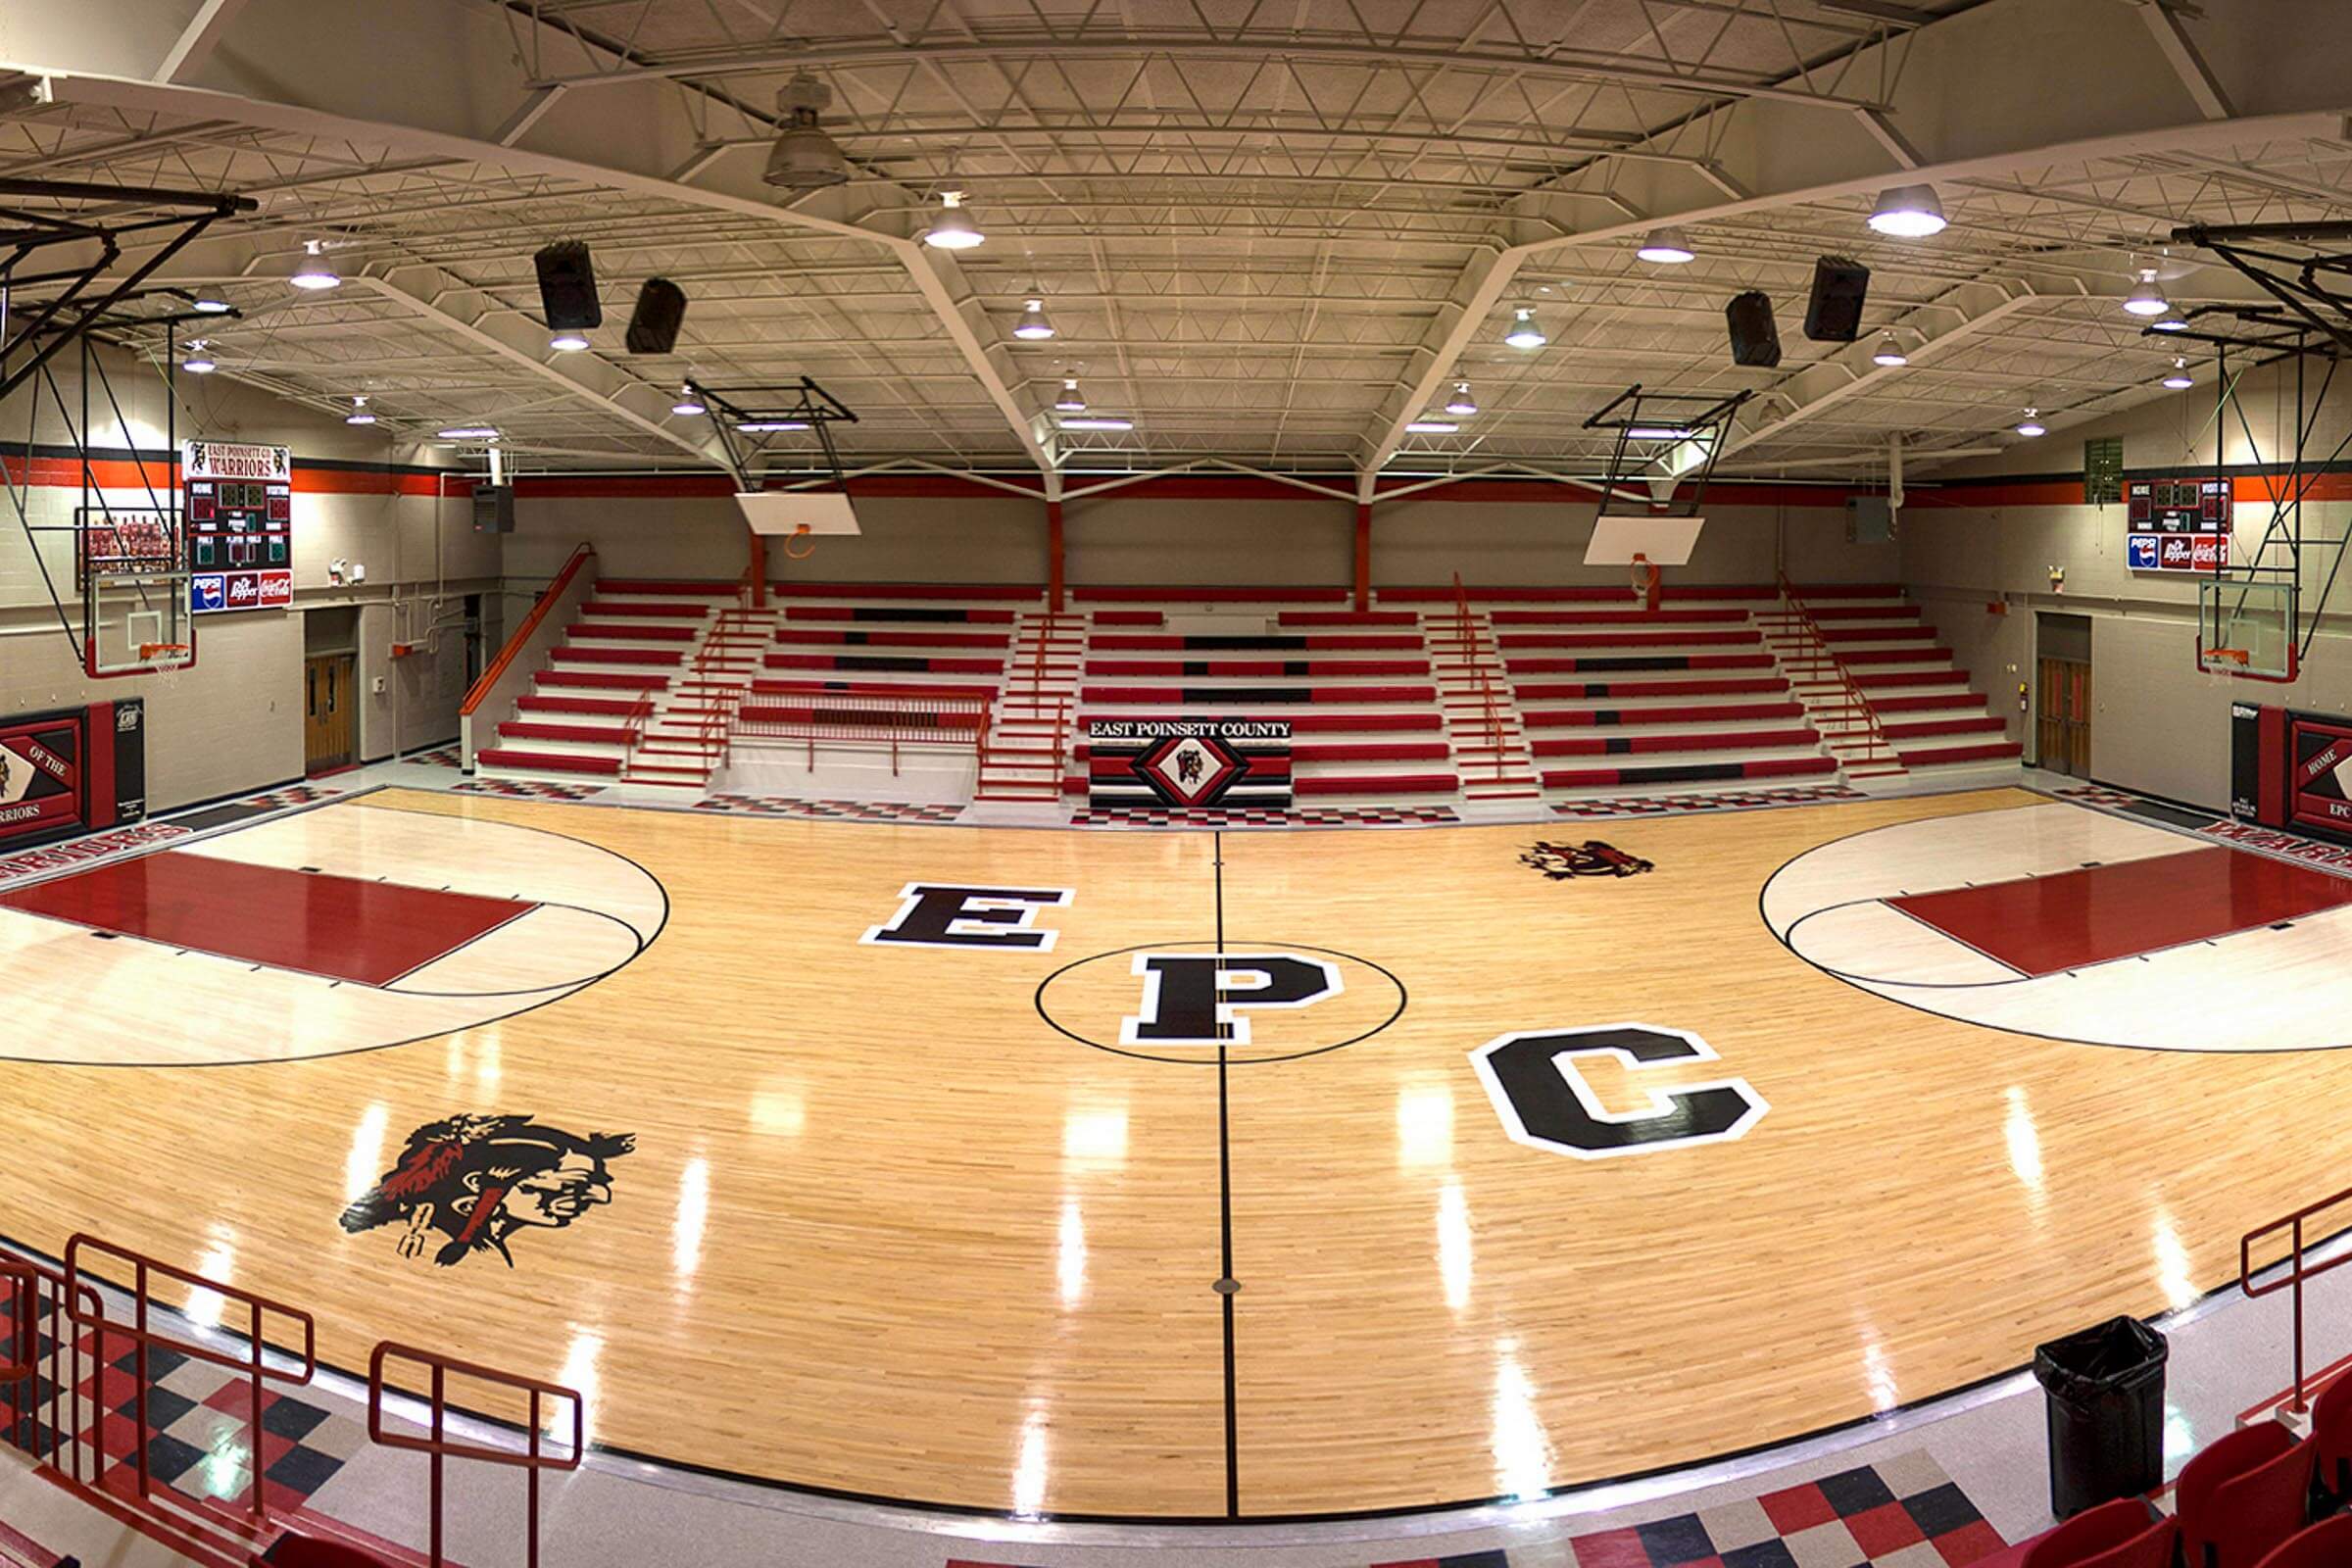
(2177, 525)
(238, 502)
(2177, 506)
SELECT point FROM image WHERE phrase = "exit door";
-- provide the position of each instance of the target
(326, 713)
(2065, 709)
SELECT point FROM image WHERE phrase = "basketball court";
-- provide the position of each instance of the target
(964, 784)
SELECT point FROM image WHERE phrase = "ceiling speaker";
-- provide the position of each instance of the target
(567, 287)
(1755, 339)
(1834, 315)
(661, 311)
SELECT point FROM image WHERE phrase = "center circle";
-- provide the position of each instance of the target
(1122, 1001)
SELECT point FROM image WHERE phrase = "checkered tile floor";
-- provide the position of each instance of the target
(199, 1440)
(829, 811)
(529, 789)
(2096, 794)
(1902, 1513)
(438, 757)
(291, 795)
(1246, 817)
(1727, 801)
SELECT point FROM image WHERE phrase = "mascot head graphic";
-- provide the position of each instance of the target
(467, 1185)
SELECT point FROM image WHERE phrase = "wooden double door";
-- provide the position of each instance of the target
(2064, 711)
(327, 703)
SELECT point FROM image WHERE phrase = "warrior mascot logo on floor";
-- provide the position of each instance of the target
(470, 1183)
(1560, 862)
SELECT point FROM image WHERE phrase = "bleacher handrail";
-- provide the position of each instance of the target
(1491, 710)
(438, 1446)
(2298, 1271)
(1877, 745)
(480, 690)
(253, 1365)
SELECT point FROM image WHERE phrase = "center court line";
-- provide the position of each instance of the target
(1233, 1474)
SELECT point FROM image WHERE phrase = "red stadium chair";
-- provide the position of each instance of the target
(2115, 1534)
(2331, 1438)
(2322, 1546)
(2243, 1496)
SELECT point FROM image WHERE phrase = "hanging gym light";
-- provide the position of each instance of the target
(1033, 324)
(2147, 298)
(1667, 247)
(567, 342)
(1889, 353)
(688, 405)
(1461, 404)
(198, 362)
(314, 274)
(953, 230)
(2031, 425)
(2179, 380)
(805, 157)
(210, 303)
(1524, 333)
(359, 413)
(1908, 212)
(1071, 401)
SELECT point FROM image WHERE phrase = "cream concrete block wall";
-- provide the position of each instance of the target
(1424, 541)
(213, 730)
(976, 539)
(1141, 541)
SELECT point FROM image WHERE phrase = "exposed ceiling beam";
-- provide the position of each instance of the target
(198, 39)
(2136, 113)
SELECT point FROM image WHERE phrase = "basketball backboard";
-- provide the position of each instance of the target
(797, 511)
(1618, 538)
(2246, 626)
(138, 617)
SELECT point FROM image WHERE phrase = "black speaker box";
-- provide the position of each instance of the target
(567, 287)
(661, 311)
(493, 509)
(1834, 315)
(1755, 339)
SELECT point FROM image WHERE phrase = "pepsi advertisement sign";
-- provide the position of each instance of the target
(2207, 553)
(213, 592)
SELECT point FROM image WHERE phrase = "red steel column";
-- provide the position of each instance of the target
(1054, 553)
(1363, 554)
(757, 571)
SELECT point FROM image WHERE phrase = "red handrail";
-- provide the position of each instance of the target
(47, 1426)
(479, 692)
(144, 1269)
(438, 1445)
(1820, 659)
(2298, 1271)
(1478, 668)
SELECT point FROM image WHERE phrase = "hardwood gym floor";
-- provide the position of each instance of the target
(946, 1223)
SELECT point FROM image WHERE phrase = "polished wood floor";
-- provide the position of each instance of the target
(886, 1229)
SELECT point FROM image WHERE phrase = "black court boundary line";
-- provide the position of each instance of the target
(1417, 1510)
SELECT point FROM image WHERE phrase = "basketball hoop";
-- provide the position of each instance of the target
(175, 652)
(2240, 657)
(801, 532)
(1645, 581)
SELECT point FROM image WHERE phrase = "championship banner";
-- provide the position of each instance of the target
(2319, 755)
(63, 772)
(1188, 764)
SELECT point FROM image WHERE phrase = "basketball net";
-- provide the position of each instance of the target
(1644, 582)
(794, 537)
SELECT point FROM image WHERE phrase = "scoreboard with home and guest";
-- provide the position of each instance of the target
(239, 506)
(2177, 524)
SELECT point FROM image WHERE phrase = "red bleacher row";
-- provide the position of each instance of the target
(622, 675)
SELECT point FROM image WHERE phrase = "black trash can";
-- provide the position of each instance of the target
(2104, 1392)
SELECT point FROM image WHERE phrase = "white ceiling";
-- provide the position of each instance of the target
(1269, 231)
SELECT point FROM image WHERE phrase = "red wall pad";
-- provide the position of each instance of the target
(900, 590)
(1210, 596)
(337, 926)
(2042, 925)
